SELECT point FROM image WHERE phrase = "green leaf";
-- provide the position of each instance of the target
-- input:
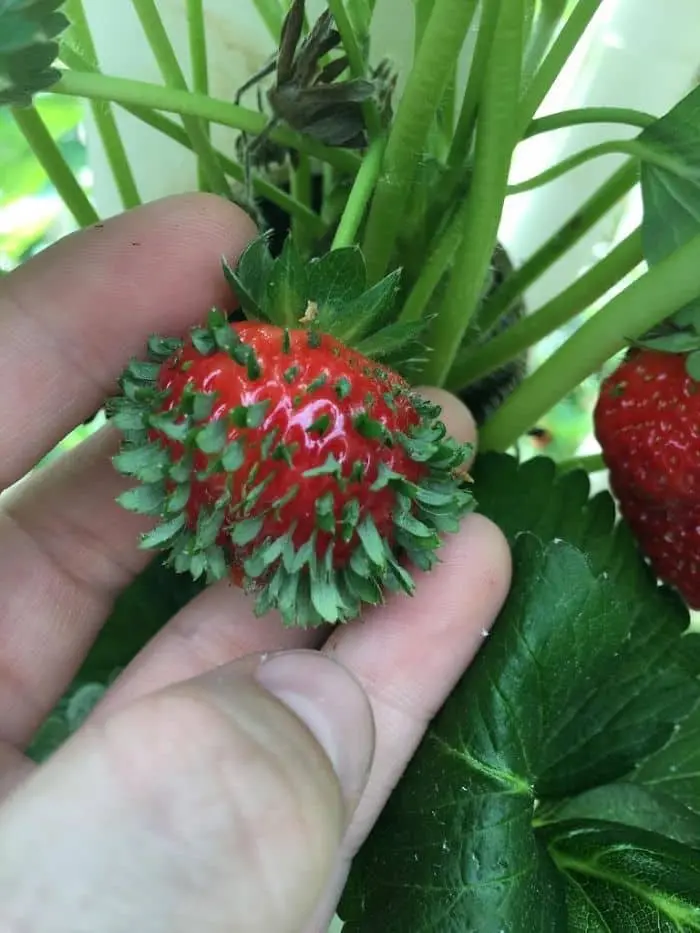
(249, 280)
(365, 314)
(390, 339)
(671, 192)
(632, 880)
(587, 673)
(287, 294)
(637, 805)
(212, 438)
(335, 279)
(674, 770)
(28, 48)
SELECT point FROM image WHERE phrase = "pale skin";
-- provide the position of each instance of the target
(195, 798)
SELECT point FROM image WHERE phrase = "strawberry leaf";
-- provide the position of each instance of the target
(366, 313)
(28, 48)
(587, 677)
(337, 278)
(287, 290)
(249, 280)
(671, 190)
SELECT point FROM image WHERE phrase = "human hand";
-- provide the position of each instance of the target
(229, 775)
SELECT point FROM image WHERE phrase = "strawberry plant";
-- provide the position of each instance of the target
(284, 444)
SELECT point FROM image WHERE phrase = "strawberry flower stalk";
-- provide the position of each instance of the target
(274, 451)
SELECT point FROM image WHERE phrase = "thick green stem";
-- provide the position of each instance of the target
(633, 147)
(462, 140)
(576, 227)
(265, 189)
(660, 292)
(173, 76)
(492, 158)
(558, 55)
(102, 112)
(271, 13)
(49, 157)
(360, 195)
(357, 62)
(584, 115)
(186, 103)
(427, 81)
(474, 363)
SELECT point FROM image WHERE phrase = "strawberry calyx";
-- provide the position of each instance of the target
(314, 567)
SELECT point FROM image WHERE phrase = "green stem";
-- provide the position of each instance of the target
(49, 157)
(173, 76)
(549, 17)
(360, 195)
(103, 114)
(584, 115)
(200, 69)
(576, 227)
(593, 463)
(660, 292)
(186, 103)
(442, 43)
(462, 141)
(474, 363)
(265, 189)
(558, 55)
(360, 14)
(633, 147)
(357, 62)
(436, 266)
(270, 12)
(492, 157)
(301, 192)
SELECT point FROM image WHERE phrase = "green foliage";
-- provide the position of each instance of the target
(329, 292)
(540, 798)
(28, 48)
(671, 185)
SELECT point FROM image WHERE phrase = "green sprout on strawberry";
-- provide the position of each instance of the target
(285, 451)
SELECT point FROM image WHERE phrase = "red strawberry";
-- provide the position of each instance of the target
(281, 456)
(647, 421)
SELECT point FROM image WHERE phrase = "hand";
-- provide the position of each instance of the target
(230, 774)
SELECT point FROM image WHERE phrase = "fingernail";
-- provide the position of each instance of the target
(333, 706)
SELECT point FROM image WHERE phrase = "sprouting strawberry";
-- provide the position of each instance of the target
(273, 452)
(647, 421)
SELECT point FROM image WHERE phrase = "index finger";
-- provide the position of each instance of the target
(71, 317)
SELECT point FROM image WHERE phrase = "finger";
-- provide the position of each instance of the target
(219, 626)
(66, 548)
(71, 317)
(213, 806)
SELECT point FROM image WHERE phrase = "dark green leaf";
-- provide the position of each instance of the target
(287, 289)
(336, 279)
(390, 340)
(146, 500)
(633, 880)
(364, 315)
(671, 192)
(586, 673)
(28, 48)
(233, 456)
(250, 278)
(674, 770)
(640, 805)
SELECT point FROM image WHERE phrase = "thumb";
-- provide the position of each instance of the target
(217, 804)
